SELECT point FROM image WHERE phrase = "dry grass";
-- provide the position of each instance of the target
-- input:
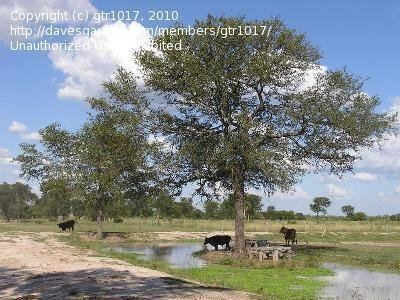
(153, 225)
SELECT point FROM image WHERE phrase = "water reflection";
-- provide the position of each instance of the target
(353, 283)
(178, 255)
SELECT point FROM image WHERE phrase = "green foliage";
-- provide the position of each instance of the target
(348, 210)
(395, 217)
(239, 115)
(58, 200)
(273, 214)
(252, 207)
(319, 205)
(106, 163)
(360, 216)
(226, 91)
(274, 283)
(211, 209)
(226, 209)
(16, 200)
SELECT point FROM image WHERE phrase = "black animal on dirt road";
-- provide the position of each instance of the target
(67, 225)
(290, 235)
(218, 240)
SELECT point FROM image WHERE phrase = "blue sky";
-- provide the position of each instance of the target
(364, 36)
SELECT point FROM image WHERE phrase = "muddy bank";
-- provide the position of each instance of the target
(153, 236)
(38, 266)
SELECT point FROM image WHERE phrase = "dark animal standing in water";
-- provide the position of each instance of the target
(218, 240)
(67, 225)
(290, 235)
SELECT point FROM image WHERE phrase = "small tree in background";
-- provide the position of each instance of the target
(16, 200)
(348, 210)
(319, 205)
(211, 209)
(252, 206)
(7, 200)
(360, 216)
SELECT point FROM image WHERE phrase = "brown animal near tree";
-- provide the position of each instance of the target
(290, 235)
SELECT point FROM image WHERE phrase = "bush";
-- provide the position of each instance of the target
(360, 216)
(118, 220)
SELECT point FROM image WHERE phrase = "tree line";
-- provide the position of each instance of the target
(17, 201)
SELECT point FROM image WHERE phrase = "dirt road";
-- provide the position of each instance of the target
(38, 266)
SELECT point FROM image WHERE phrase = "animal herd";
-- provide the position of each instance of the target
(215, 241)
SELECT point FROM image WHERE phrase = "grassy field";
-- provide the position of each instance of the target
(287, 280)
(375, 251)
(374, 245)
(154, 225)
(283, 281)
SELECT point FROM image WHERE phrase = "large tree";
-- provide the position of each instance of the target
(108, 159)
(242, 111)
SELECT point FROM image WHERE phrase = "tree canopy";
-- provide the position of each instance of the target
(243, 112)
(319, 205)
(108, 159)
(348, 210)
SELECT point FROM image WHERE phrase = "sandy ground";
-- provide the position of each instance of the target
(38, 266)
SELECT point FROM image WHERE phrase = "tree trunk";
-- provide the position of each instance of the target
(99, 225)
(238, 193)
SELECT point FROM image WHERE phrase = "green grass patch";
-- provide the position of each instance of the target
(269, 281)
(272, 283)
(376, 258)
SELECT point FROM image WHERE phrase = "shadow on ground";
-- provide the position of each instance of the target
(92, 284)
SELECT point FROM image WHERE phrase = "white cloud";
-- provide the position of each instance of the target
(21, 129)
(5, 157)
(85, 70)
(386, 159)
(363, 176)
(298, 194)
(311, 75)
(9, 169)
(397, 190)
(337, 191)
(31, 136)
(17, 127)
(36, 6)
